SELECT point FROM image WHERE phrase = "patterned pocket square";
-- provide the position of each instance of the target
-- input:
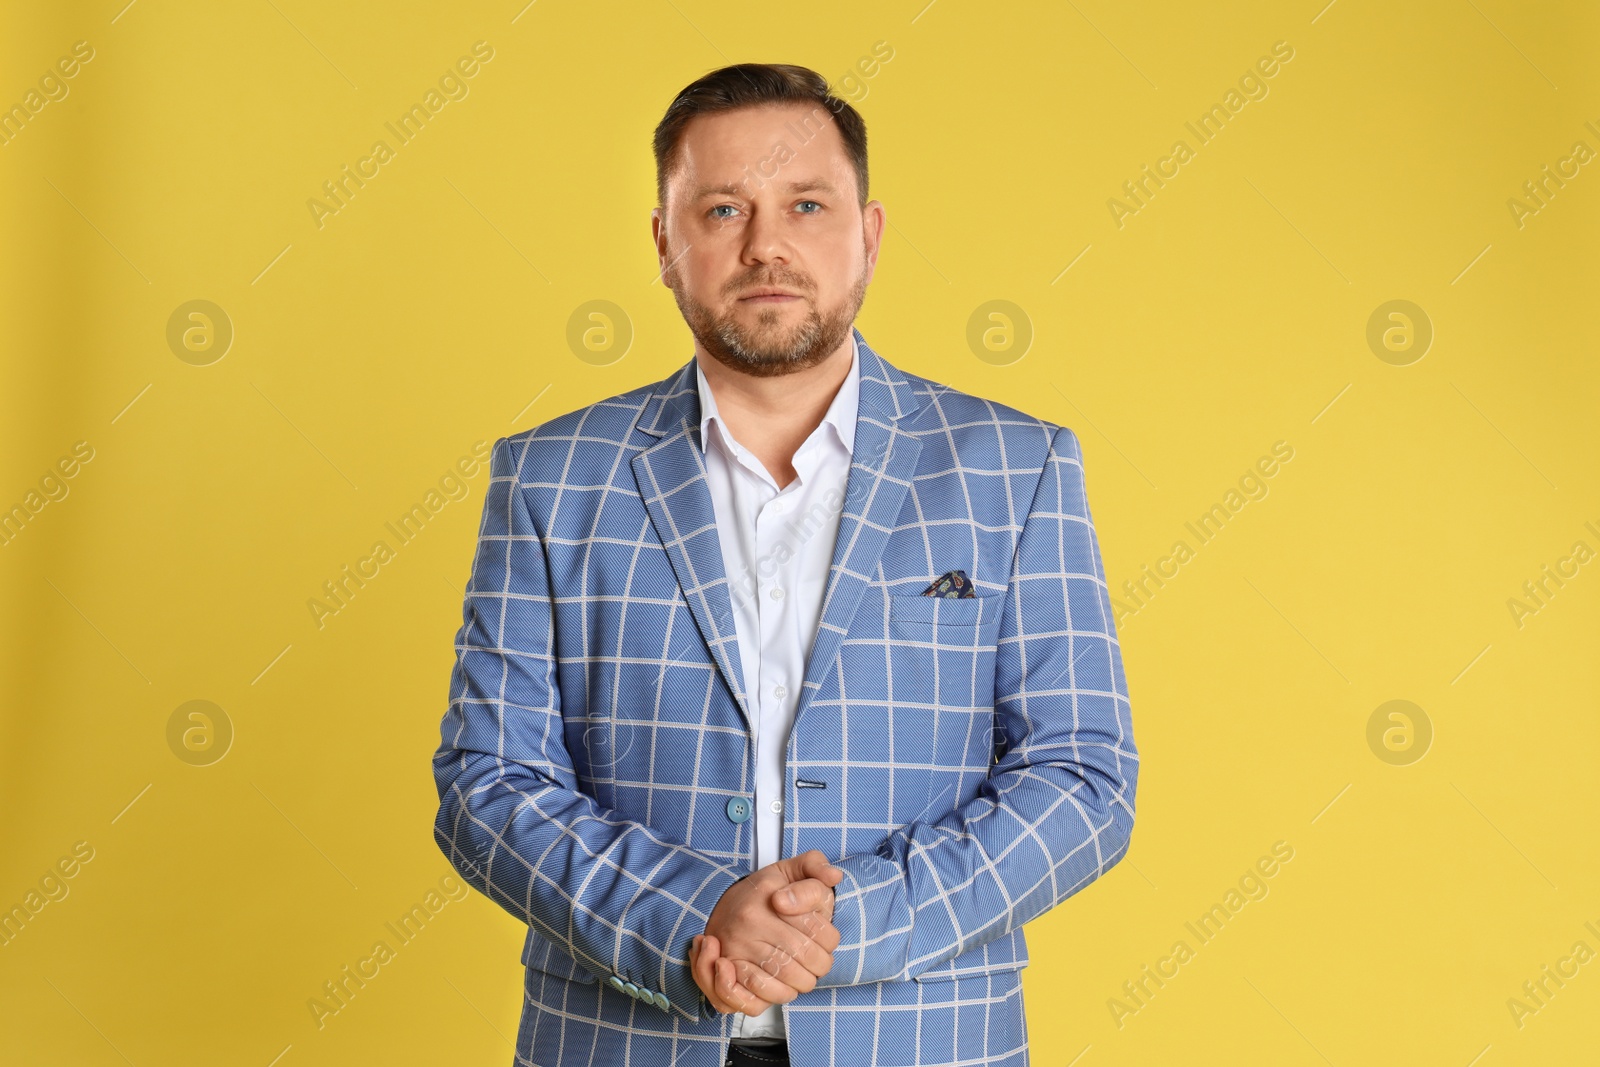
(952, 584)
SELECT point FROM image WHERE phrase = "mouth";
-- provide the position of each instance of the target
(768, 295)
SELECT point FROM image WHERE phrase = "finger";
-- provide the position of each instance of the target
(736, 993)
(821, 940)
(761, 979)
(730, 1004)
(727, 995)
(802, 971)
(810, 950)
(828, 939)
(703, 956)
(728, 998)
(808, 894)
(813, 926)
(793, 955)
(700, 970)
(818, 934)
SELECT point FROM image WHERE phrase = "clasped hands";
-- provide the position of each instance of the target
(770, 937)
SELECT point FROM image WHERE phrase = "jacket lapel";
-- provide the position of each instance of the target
(671, 475)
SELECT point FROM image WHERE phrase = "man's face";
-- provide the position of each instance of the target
(762, 238)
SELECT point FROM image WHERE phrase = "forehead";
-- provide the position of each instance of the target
(792, 143)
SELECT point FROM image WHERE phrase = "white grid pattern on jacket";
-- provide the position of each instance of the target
(976, 757)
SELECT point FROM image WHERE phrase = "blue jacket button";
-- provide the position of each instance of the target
(631, 989)
(617, 982)
(738, 809)
(661, 1001)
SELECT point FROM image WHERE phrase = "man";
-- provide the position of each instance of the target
(787, 688)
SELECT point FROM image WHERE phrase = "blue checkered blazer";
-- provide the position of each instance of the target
(969, 763)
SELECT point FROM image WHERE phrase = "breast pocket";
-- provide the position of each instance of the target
(954, 611)
(941, 649)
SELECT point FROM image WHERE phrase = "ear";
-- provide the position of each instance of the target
(873, 220)
(658, 237)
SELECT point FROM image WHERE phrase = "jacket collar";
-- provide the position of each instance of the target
(841, 413)
(671, 476)
(885, 393)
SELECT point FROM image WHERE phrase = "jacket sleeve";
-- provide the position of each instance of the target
(616, 895)
(1056, 811)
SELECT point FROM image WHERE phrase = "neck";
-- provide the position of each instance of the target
(794, 401)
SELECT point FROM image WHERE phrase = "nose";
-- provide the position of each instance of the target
(765, 241)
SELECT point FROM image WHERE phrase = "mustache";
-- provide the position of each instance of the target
(799, 283)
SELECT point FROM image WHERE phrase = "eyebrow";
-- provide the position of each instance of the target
(734, 188)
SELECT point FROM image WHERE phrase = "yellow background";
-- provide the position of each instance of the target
(431, 312)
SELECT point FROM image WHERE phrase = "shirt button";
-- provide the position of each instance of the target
(777, 592)
(780, 691)
(738, 809)
(777, 807)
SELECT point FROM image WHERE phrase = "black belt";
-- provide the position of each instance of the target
(741, 1055)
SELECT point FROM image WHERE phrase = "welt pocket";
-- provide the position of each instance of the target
(914, 607)
(947, 975)
(544, 955)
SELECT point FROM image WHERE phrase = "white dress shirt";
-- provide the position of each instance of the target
(776, 547)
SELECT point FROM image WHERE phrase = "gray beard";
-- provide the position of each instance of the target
(763, 352)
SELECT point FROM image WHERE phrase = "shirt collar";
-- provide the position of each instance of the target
(841, 413)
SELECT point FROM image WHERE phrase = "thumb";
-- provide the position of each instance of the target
(814, 864)
(791, 867)
(800, 897)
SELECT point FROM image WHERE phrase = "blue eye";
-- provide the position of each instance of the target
(719, 207)
(814, 204)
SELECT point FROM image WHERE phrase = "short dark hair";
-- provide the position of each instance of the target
(755, 85)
